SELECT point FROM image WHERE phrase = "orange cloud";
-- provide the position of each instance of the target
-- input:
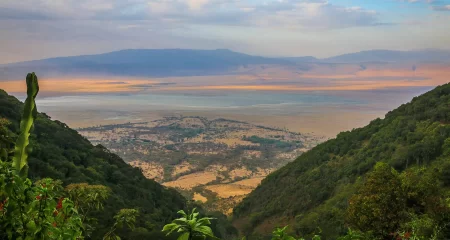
(80, 85)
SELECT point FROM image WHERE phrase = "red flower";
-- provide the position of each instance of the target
(38, 197)
(407, 235)
(54, 224)
(59, 206)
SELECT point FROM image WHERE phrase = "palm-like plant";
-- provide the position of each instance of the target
(22, 148)
(190, 226)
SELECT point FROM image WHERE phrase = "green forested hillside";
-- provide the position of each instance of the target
(61, 153)
(312, 193)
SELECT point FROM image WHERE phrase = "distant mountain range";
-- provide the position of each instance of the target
(140, 62)
(187, 62)
(305, 59)
(382, 56)
(431, 55)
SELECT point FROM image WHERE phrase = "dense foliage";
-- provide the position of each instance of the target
(35, 211)
(314, 191)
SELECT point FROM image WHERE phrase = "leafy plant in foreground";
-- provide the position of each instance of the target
(190, 226)
(20, 159)
(35, 211)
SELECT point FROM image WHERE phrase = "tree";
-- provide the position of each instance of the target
(125, 217)
(190, 227)
(379, 206)
(87, 198)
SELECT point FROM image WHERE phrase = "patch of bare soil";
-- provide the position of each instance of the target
(251, 182)
(229, 190)
(181, 168)
(192, 180)
(240, 173)
(199, 197)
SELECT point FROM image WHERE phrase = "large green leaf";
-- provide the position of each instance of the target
(184, 236)
(20, 159)
(204, 221)
(182, 213)
(171, 227)
(205, 230)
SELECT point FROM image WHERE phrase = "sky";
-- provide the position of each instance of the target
(36, 29)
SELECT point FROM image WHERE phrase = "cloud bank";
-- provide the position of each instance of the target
(33, 29)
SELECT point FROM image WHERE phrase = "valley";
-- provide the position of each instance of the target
(225, 120)
(215, 161)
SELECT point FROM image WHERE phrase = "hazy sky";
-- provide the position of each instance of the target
(33, 29)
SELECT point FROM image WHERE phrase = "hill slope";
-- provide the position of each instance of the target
(139, 62)
(313, 190)
(61, 153)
